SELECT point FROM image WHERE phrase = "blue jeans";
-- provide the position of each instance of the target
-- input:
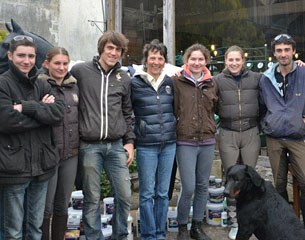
(194, 164)
(22, 207)
(112, 157)
(154, 168)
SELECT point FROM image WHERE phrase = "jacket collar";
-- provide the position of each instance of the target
(98, 65)
(155, 83)
(68, 79)
(243, 72)
(270, 74)
(187, 73)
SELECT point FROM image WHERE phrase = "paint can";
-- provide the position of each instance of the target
(172, 224)
(216, 195)
(108, 205)
(77, 199)
(213, 213)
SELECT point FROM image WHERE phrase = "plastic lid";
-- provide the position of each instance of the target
(218, 180)
(77, 194)
(212, 177)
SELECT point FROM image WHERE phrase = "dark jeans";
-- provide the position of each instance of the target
(112, 157)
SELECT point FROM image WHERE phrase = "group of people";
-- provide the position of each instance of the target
(55, 122)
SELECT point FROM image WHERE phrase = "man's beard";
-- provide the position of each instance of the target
(285, 63)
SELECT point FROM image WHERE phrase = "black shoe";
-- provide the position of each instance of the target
(183, 233)
(197, 232)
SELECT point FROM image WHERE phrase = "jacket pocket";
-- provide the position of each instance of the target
(49, 157)
(12, 159)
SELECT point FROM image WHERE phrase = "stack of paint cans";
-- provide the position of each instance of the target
(74, 224)
(214, 206)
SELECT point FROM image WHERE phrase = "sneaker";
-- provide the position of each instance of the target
(233, 233)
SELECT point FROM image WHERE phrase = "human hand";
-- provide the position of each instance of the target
(48, 99)
(130, 151)
(178, 74)
(300, 63)
(18, 107)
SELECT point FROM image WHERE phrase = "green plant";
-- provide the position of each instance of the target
(105, 183)
(133, 166)
(3, 34)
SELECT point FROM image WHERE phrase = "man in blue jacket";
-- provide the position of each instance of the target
(282, 95)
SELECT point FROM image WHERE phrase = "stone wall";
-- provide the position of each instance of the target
(62, 22)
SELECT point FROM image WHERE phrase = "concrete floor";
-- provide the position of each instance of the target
(214, 232)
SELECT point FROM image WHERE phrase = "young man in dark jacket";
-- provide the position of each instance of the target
(282, 95)
(28, 156)
(105, 125)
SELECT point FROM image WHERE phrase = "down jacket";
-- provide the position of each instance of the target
(155, 121)
(238, 104)
(27, 148)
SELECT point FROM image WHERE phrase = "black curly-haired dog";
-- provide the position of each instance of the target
(260, 209)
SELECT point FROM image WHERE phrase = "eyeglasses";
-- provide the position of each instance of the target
(22, 37)
(278, 37)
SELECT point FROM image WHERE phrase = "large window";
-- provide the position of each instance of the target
(217, 24)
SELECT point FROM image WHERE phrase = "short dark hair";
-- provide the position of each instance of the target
(116, 38)
(283, 38)
(154, 46)
(24, 41)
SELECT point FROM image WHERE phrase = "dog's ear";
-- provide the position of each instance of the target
(256, 179)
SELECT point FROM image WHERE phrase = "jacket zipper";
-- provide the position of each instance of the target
(284, 86)
(239, 107)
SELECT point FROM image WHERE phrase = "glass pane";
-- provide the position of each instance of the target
(218, 24)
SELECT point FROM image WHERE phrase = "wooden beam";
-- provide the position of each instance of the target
(111, 15)
(169, 29)
(118, 15)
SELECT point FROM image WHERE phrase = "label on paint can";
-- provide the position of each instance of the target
(172, 223)
(214, 213)
(108, 205)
